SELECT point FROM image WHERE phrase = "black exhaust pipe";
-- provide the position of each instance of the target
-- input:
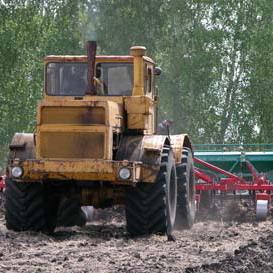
(91, 47)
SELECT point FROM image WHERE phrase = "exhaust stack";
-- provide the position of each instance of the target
(91, 47)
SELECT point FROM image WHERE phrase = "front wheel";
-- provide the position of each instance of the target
(151, 208)
(25, 206)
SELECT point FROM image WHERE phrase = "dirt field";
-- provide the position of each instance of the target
(211, 246)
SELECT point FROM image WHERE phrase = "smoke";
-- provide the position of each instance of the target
(88, 23)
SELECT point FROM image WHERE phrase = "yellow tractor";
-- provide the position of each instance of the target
(95, 144)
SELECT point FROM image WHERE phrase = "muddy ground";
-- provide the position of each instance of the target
(211, 246)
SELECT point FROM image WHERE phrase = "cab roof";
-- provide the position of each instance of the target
(99, 58)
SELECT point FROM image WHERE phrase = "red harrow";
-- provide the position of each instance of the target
(241, 181)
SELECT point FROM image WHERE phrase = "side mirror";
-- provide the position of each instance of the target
(157, 71)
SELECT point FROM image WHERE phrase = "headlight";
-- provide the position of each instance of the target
(17, 172)
(124, 173)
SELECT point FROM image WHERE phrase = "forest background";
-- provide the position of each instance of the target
(216, 57)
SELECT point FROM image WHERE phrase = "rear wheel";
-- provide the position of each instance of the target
(25, 206)
(52, 201)
(186, 209)
(151, 208)
(69, 210)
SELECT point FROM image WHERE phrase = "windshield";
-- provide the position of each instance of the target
(66, 79)
(70, 79)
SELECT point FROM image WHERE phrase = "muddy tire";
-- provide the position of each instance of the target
(151, 208)
(185, 213)
(25, 206)
(52, 201)
(70, 213)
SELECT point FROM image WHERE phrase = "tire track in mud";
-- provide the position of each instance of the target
(211, 246)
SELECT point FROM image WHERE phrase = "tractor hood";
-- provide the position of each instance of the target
(77, 129)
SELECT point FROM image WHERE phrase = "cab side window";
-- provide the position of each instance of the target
(148, 80)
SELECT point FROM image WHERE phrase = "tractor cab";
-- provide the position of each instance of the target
(131, 75)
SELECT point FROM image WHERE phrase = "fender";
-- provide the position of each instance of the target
(146, 149)
(178, 142)
(22, 147)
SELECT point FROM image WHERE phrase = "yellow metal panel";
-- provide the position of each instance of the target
(81, 112)
(138, 105)
(71, 141)
(67, 117)
(83, 101)
(151, 123)
(88, 170)
(69, 169)
(115, 115)
(71, 128)
(138, 52)
(71, 145)
(140, 113)
(71, 101)
(138, 121)
(72, 115)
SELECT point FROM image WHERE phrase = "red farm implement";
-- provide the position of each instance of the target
(235, 175)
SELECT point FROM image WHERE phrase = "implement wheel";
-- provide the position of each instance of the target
(186, 208)
(261, 209)
(151, 208)
(25, 206)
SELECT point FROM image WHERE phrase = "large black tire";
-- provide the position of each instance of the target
(185, 213)
(52, 201)
(25, 206)
(151, 208)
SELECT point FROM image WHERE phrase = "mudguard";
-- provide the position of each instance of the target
(177, 143)
(146, 149)
(22, 147)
